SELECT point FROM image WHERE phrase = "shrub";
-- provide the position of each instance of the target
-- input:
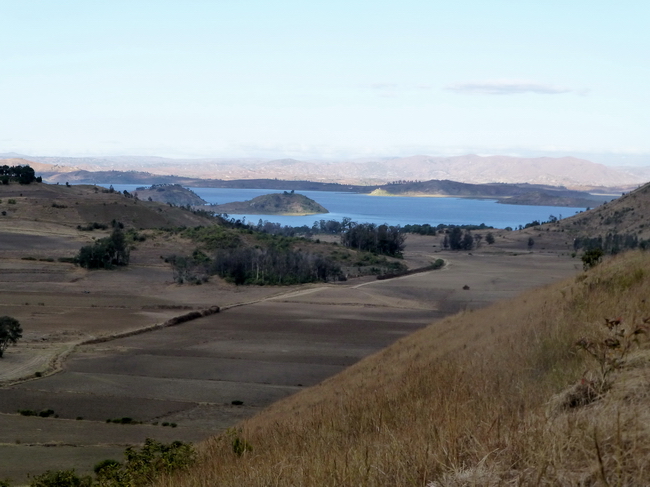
(60, 478)
(142, 466)
(592, 258)
(108, 463)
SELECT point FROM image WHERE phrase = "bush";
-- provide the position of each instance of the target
(60, 478)
(92, 226)
(592, 258)
(142, 466)
(108, 463)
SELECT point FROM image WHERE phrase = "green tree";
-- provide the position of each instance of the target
(489, 238)
(455, 238)
(10, 332)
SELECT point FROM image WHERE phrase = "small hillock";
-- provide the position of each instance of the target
(550, 388)
(287, 203)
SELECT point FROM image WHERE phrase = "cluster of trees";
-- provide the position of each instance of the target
(426, 229)
(265, 226)
(404, 181)
(332, 227)
(536, 223)
(22, 174)
(379, 239)
(10, 332)
(246, 265)
(612, 243)
(455, 239)
(105, 253)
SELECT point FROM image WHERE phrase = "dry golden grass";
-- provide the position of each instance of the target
(476, 399)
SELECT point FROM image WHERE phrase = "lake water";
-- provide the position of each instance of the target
(393, 210)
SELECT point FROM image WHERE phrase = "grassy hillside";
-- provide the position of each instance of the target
(627, 214)
(508, 395)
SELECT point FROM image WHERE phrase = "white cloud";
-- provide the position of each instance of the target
(509, 87)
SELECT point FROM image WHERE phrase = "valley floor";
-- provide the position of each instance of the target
(265, 344)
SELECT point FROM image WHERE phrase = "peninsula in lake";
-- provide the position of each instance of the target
(287, 203)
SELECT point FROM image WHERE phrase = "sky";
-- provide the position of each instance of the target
(326, 79)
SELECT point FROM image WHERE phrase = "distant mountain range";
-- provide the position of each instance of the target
(570, 172)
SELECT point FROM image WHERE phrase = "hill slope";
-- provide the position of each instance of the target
(628, 214)
(499, 396)
(79, 205)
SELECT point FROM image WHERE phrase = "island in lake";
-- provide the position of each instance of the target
(287, 203)
(170, 193)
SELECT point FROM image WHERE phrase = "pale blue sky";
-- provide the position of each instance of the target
(325, 79)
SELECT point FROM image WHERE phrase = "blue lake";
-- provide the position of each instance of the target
(393, 210)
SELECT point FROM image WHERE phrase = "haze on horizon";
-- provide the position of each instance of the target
(327, 80)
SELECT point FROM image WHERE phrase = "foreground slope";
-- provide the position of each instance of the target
(498, 396)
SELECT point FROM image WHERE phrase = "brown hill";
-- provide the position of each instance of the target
(80, 205)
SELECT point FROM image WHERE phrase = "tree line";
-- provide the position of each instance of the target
(21, 174)
(378, 239)
(612, 243)
(260, 266)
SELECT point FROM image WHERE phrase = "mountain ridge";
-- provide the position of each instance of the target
(569, 171)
